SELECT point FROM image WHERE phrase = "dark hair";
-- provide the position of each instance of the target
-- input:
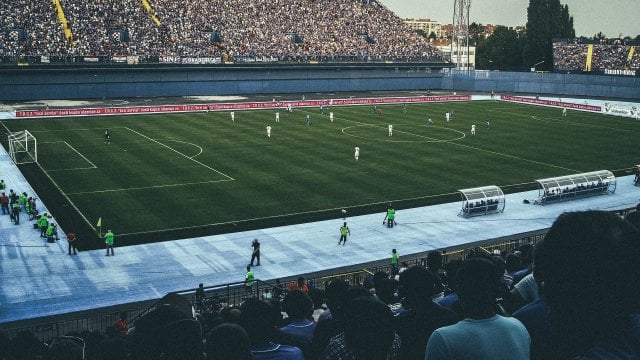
(634, 218)
(478, 286)
(386, 291)
(298, 305)
(416, 285)
(317, 296)
(368, 328)
(169, 332)
(258, 321)
(378, 277)
(434, 260)
(335, 293)
(228, 341)
(588, 262)
(512, 263)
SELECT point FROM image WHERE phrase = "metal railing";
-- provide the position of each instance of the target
(233, 294)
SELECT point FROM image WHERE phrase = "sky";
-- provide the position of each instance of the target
(611, 17)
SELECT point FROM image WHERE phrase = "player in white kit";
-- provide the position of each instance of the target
(233, 116)
(331, 116)
(356, 152)
(277, 116)
(447, 116)
(390, 130)
(473, 129)
(269, 131)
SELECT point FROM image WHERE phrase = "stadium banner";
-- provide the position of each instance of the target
(189, 60)
(119, 58)
(131, 110)
(534, 101)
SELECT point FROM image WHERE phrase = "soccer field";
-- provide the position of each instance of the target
(171, 176)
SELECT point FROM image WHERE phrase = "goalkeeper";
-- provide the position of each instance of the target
(390, 217)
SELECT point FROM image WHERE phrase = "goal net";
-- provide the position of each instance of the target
(23, 147)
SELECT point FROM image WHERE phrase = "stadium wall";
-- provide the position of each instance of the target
(65, 82)
(156, 81)
(544, 83)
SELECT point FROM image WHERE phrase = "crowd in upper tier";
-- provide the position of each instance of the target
(573, 55)
(278, 28)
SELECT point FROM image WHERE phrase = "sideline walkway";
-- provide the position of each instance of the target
(40, 279)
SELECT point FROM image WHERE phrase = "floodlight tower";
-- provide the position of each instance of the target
(460, 33)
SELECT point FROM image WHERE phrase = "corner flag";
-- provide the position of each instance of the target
(99, 224)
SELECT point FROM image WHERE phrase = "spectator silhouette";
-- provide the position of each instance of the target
(482, 334)
(368, 333)
(167, 333)
(228, 341)
(588, 265)
(422, 315)
(259, 322)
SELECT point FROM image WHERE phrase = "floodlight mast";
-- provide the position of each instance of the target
(460, 33)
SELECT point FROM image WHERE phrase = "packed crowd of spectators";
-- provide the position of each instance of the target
(230, 28)
(573, 296)
(38, 21)
(614, 55)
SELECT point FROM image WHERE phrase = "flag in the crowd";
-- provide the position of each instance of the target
(99, 222)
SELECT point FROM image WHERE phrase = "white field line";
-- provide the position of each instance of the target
(181, 154)
(385, 202)
(81, 129)
(93, 166)
(148, 187)
(453, 142)
(67, 197)
(188, 143)
(82, 156)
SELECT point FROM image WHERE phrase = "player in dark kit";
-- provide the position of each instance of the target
(107, 137)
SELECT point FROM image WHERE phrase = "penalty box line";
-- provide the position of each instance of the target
(181, 154)
(93, 166)
(148, 187)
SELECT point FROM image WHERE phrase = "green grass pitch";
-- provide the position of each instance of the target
(199, 173)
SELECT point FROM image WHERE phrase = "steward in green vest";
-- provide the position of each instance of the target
(389, 217)
(248, 279)
(394, 262)
(43, 223)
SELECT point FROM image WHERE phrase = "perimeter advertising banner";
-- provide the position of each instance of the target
(129, 110)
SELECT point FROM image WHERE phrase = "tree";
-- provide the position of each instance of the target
(476, 33)
(422, 33)
(500, 51)
(546, 20)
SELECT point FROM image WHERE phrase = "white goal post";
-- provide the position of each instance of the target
(23, 147)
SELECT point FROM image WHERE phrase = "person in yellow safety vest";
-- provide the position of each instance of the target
(248, 279)
(390, 217)
(43, 223)
(49, 232)
(22, 199)
(108, 240)
(394, 262)
(344, 231)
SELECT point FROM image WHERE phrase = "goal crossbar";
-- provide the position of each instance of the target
(23, 147)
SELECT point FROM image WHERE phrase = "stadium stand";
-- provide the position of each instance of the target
(171, 328)
(576, 55)
(291, 30)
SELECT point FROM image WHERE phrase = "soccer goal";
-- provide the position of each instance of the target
(23, 147)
